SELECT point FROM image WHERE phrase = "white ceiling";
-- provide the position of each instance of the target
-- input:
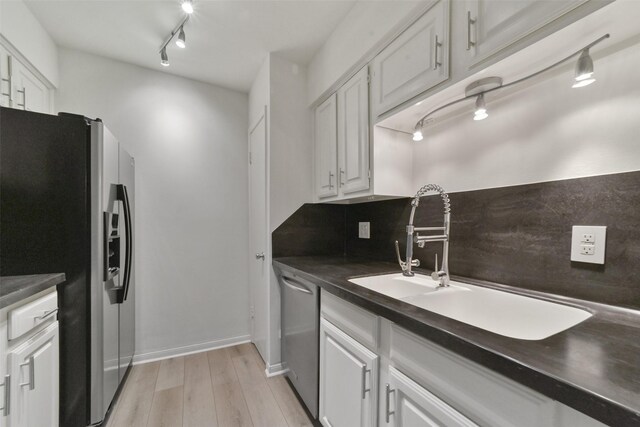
(227, 40)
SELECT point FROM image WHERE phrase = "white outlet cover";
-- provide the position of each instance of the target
(364, 230)
(599, 243)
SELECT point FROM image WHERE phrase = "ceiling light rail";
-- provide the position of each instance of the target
(181, 42)
(477, 90)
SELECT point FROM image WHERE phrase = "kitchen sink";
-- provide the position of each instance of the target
(503, 313)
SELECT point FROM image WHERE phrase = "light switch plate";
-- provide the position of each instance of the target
(588, 243)
(364, 230)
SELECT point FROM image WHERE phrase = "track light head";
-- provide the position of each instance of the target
(164, 59)
(417, 133)
(187, 6)
(182, 39)
(481, 108)
(584, 70)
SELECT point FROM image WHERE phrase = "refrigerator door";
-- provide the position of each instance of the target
(127, 295)
(105, 282)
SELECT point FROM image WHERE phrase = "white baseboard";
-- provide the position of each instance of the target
(152, 356)
(273, 370)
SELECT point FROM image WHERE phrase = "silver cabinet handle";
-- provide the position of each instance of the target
(330, 176)
(45, 315)
(299, 288)
(341, 177)
(32, 373)
(364, 381)
(260, 255)
(470, 22)
(387, 408)
(6, 406)
(436, 64)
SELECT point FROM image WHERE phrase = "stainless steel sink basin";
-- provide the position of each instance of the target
(504, 313)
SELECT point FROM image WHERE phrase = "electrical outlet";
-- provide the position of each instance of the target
(588, 243)
(587, 249)
(364, 230)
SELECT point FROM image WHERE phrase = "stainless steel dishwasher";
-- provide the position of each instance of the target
(300, 336)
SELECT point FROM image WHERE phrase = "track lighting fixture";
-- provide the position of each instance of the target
(476, 90)
(584, 70)
(181, 42)
(187, 6)
(164, 59)
(481, 108)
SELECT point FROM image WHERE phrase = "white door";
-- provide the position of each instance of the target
(348, 380)
(258, 271)
(29, 93)
(326, 148)
(492, 26)
(353, 133)
(407, 404)
(415, 61)
(34, 372)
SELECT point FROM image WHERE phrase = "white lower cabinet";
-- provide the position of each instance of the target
(407, 404)
(348, 380)
(421, 384)
(34, 387)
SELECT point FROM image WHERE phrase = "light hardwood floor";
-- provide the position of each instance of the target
(219, 388)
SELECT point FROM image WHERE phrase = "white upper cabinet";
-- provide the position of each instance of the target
(407, 404)
(353, 133)
(348, 380)
(20, 87)
(326, 148)
(493, 26)
(415, 61)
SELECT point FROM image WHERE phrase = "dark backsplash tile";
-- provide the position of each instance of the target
(519, 236)
(311, 230)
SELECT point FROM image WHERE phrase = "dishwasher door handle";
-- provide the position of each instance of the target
(296, 287)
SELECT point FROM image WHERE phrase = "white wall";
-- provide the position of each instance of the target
(20, 28)
(544, 132)
(366, 24)
(189, 140)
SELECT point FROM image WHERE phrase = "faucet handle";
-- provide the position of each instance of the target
(403, 264)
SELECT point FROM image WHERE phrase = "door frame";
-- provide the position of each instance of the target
(262, 117)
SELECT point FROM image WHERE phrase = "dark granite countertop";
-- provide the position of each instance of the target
(593, 367)
(16, 288)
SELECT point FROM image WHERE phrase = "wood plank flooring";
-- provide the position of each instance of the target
(220, 388)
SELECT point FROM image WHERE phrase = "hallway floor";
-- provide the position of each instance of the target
(224, 388)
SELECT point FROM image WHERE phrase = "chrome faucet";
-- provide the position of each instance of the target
(413, 236)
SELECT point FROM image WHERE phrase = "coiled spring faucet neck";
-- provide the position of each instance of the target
(441, 275)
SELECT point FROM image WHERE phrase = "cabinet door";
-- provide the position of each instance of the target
(29, 93)
(348, 380)
(492, 26)
(353, 133)
(326, 148)
(34, 386)
(407, 404)
(5, 74)
(414, 62)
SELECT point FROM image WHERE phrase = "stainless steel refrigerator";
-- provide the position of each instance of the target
(67, 203)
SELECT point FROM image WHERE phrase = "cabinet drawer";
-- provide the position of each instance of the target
(25, 318)
(358, 323)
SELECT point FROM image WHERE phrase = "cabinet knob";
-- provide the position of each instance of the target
(260, 255)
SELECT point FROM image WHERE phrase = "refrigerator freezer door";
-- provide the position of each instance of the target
(127, 307)
(104, 307)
